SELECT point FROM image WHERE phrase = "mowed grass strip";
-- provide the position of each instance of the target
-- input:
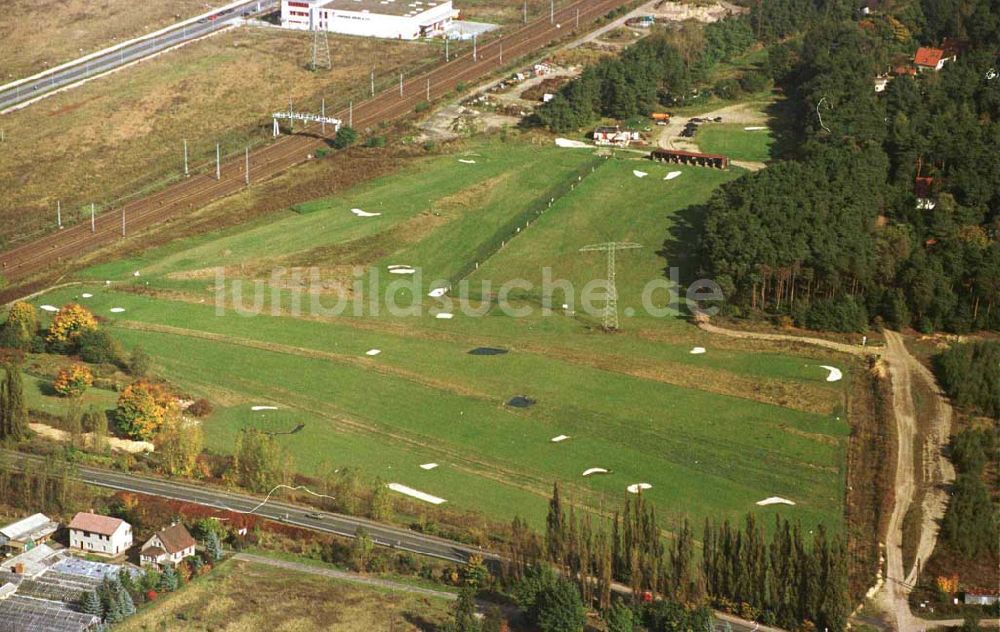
(731, 139)
(252, 597)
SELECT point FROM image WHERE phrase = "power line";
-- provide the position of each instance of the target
(611, 303)
(320, 51)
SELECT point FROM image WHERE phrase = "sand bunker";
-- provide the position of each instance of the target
(428, 466)
(373, 352)
(401, 270)
(361, 213)
(437, 292)
(117, 310)
(775, 500)
(444, 316)
(697, 350)
(467, 162)
(487, 351)
(48, 308)
(87, 295)
(263, 408)
(594, 470)
(136, 273)
(571, 144)
(635, 488)
(639, 174)
(409, 491)
(755, 128)
(559, 438)
(671, 175)
(835, 374)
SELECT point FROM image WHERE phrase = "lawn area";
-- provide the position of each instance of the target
(257, 598)
(734, 141)
(712, 433)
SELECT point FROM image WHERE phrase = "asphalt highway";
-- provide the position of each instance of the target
(125, 55)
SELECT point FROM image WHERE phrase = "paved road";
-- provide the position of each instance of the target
(127, 54)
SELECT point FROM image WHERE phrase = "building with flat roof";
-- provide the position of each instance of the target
(394, 19)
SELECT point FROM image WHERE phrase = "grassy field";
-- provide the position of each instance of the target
(63, 30)
(712, 433)
(255, 597)
(127, 130)
(735, 142)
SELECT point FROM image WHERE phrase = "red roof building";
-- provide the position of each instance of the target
(930, 58)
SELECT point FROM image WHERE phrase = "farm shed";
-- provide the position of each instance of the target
(690, 158)
(27, 533)
(981, 597)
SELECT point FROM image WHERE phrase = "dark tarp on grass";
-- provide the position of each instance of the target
(487, 351)
(520, 402)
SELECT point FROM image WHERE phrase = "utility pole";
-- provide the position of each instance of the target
(474, 47)
(246, 168)
(93, 223)
(59, 213)
(428, 97)
(578, 18)
(350, 113)
(501, 52)
(525, 11)
(373, 80)
(552, 11)
(400, 84)
(322, 113)
(186, 173)
(611, 303)
(123, 221)
(218, 162)
(446, 48)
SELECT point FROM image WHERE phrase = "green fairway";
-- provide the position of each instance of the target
(712, 433)
(734, 141)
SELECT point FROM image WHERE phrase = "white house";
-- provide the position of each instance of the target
(394, 19)
(614, 136)
(27, 533)
(99, 534)
(167, 546)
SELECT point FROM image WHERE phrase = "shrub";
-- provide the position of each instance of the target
(321, 153)
(200, 408)
(73, 380)
(375, 141)
(21, 326)
(139, 362)
(346, 137)
(69, 324)
(98, 347)
(970, 375)
(423, 106)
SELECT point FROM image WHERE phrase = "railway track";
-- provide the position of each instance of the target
(55, 249)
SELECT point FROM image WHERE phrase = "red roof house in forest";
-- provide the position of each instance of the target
(931, 58)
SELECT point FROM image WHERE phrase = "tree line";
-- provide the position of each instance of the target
(970, 374)
(789, 579)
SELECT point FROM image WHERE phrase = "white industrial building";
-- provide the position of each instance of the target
(395, 19)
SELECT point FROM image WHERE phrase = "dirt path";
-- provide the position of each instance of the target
(936, 475)
(741, 113)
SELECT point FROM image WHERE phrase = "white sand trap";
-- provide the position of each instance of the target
(87, 295)
(437, 292)
(397, 266)
(571, 144)
(697, 350)
(361, 213)
(428, 466)
(373, 352)
(466, 162)
(409, 491)
(835, 374)
(444, 316)
(594, 470)
(671, 175)
(775, 500)
(635, 488)
(559, 438)
(755, 128)
(117, 310)
(639, 174)
(48, 308)
(263, 408)
(136, 273)
(402, 271)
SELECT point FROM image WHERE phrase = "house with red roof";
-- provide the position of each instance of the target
(928, 58)
(167, 546)
(104, 535)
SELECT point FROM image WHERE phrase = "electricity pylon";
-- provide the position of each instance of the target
(320, 51)
(611, 305)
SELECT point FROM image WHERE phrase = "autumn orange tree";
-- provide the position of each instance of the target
(73, 380)
(71, 321)
(143, 408)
